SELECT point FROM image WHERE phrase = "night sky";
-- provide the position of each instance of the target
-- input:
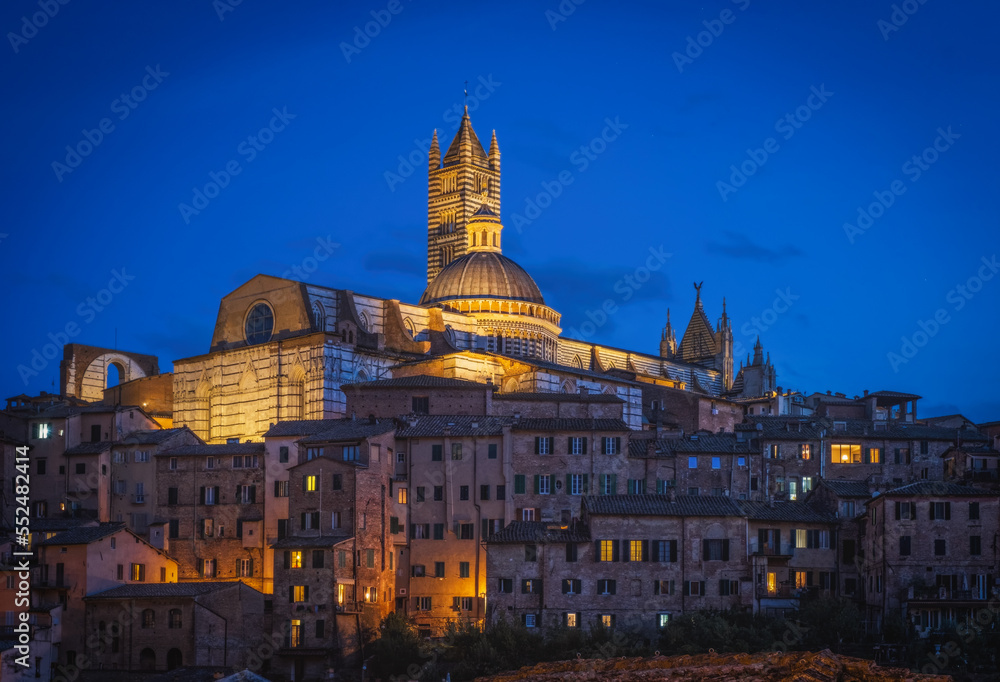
(699, 160)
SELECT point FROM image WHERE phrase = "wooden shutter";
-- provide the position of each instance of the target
(725, 550)
(673, 551)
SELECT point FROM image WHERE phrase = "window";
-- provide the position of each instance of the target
(484, 492)
(543, 445)
(370, 558)
(715, 550)
(528, 514)
(793, 489)
(138, 572)
(207, 527)
(210, 495)
(456, 451)
(309, 483)
(902, 456)
(716, 462)
(693, 491)
(81, 468)
(611, 446)
(491, 451)
(543, 485)
(529, 620)
(174, 618)
(438, 493)
(940, 511)
(295, 559)
(729, 588)
(505, 585)
(463, 492)
(423, 603)
(420, 531)
(436, 453)
(501, 492)
(572, 620)
(845, 454)
(940, 548)
(438, 569)
(283, 454)
(638, 550)
(320, 629)
(807, 484)
(692, 462)
(41, 430)
(298, 593)
(873, 456)
(975, 545)
(531, 586)
(281, 488)
(244, 568)
(607, 550)
(463, 569)
(571, 552)
(246, 494)
(350, 453)
(309, 520)
(805, 451)
(973, 511)
(847, 509)
(607, 620)
(421, 405)
(439, 531)
(210, 462)
(577, 446)
(207, 568)
(636, 486)
(694, 588)
(466, 531)
(606, 586)
(608, 484)
(121, 487)
(575, 484)
(401, 495)
(420, 493)
(336, 520)
(531, 552)
(904, 545)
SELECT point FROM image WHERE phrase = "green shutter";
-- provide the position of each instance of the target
(519, 484)
(614, 484)
(569, 483)
(536, 483)
(586, 485)
(552, 484)
(600, 485)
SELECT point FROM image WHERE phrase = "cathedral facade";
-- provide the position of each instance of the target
(282, 349)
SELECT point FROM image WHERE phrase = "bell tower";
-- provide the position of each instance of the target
(457, 185)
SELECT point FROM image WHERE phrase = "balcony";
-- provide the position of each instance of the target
(400, 478)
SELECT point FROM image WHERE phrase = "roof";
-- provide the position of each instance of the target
(938, 489)
(482, 275)
(151, 437)
(84, 535)
(457, 425)
(298, 427)
(308, 543)
(162, 590)
(562, 424)
(90, 448)
(784, 511)
(59, 524)
(419, 381)
(895, 395)
(844, 488)
(660, 505)
(561, 397)
(540, 532)
(351, 429)
(715, 442)
(466, 136)
(216, 450)
(638, 446)
(698, 341)
(809, 428)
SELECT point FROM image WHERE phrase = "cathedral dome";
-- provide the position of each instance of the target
(482, 274)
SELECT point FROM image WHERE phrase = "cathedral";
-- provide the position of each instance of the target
(282, 349)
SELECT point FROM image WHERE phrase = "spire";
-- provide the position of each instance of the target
(699, 340)
(434, 155)
(494, 156)
(465, 147)
(668, 340)
(758, 352)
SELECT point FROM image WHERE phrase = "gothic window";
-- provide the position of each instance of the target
(259, 324)
(365, 321)
(319, 316)
(408, 325)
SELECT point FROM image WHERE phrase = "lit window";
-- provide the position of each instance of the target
(692, 462)
(296, 560)
(606, 550)
(874, 455)
(662, 620)
(635, 550)
(572, 621)
(309, 483)
(805, 451)
(350, 453)
(138, 572)
(845, 454)
(402, 496)
(608, 620)
(295, 634)
(716, 462)
(298, 593)
(529, 620)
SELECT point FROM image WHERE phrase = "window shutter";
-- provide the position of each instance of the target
(794, 539)
(597, 550)
(645, 550)
(809, 578)
(618, 444)
(628, 550)
(600, 483)
(725, 550)
(655, 549)
(614, 484)
(276, 485)
(614, 550)
(687, 588)
(307, 593)
(868, 455)
(566, 584)
(586, 485)
(552, 444)
(723, 588)
(237, 567)
(704, 550)
(253, 494)
(613, 587)
(217, 498)
(702, 590)
(201, 495)
(236, 497)
(519, 484)
(537, 449)
(930, 509)
(315, 519)
(291, 594)
(777, 541)
(897, 511)
(569, 445)
(569, 483)
(552, 484)
(673, 551)
(536, 482)
(287, 559)
(302, 521)
(585, 439)
(947, 511)
(201, 566)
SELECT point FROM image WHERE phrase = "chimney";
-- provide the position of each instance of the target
(866, 392)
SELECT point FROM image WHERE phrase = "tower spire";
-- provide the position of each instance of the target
(434, 155)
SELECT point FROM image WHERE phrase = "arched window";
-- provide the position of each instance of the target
(175, 618)
(147, 659)
(319, 316)
(148, 618)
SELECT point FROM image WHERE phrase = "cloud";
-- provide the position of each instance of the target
(740, 247)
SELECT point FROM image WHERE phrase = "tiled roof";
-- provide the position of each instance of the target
(84, 535)
(57, 524)
(938, 489)
(557, 424)
(716, 442)
(540, 532)
(160, 590)
(784, 511)
(151, 437)
(420, 381)
(661, 505)
(351, 429)
(844, 488)
(561, 397)
(299, 427)
(459, 425)
(777, 428)
(90, 448)
(639, 447)
(217, 450)
(894, 394)
(308, 543)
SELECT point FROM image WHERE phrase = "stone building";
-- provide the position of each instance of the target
(334, 568)
(161, 627)
(930, 554)
(845, 501)
(87, 560)
(211, 502)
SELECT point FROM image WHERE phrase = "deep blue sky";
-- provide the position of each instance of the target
(656, 184)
